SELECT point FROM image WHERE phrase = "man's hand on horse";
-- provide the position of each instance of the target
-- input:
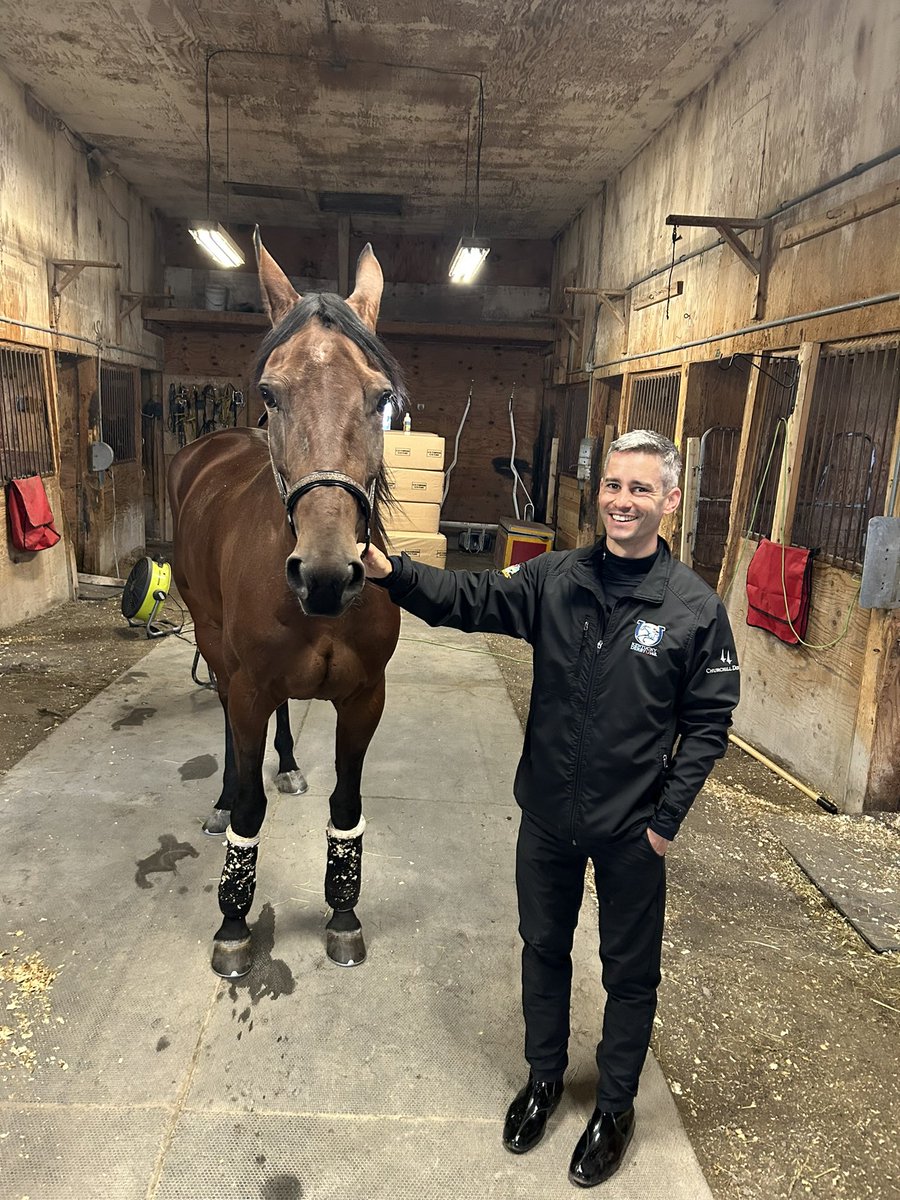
(377, 565)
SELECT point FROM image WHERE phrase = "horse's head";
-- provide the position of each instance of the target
(325, 379)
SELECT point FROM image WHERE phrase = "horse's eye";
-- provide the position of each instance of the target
(384, 400)
(267, 398)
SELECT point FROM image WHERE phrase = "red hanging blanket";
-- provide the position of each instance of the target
(30, 516)
(766, 590)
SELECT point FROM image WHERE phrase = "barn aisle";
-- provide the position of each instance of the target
(153, 1080)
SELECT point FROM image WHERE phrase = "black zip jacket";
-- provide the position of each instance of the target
(609, 699)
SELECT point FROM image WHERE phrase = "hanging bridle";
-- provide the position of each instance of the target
(315, 479)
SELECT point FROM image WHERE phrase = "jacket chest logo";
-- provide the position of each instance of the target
(647, 637)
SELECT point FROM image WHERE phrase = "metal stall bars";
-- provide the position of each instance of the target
(654, 403)
(845, 463)
(775, 402)
(715, 483)
(26, 444)
(119, 407)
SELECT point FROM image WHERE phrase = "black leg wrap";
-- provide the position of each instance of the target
(238, 882)
(343, 874)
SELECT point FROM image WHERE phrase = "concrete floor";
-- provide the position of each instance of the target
(304, 1080)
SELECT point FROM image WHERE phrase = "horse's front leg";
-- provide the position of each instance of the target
(290, 779)
(248, 716)
(357, 720)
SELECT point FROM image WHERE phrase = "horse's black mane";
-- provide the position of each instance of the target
(335, 313)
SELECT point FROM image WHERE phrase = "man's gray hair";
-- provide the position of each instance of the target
(645, 441)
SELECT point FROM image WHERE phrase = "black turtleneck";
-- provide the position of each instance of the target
(620, 576)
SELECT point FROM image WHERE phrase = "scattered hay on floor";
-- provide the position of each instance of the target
(25, 985)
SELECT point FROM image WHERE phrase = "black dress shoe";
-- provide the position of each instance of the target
(601, 1147)
(528, 1114)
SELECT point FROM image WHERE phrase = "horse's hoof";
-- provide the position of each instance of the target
(217, 822)
(292, 783)
(345, 948)
(232, 959)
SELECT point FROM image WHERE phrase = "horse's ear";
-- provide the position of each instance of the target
(277, 293)
(366, 298)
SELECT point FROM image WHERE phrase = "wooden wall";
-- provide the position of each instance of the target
(52, 207)
(753, 143)
(801, 704)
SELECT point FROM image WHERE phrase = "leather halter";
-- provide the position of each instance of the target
(315, 479)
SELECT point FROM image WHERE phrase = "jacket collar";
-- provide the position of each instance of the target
(652, 589)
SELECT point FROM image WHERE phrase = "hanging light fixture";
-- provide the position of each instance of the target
(211, 235)
(217, 242)
(471, 251)
(468, 256)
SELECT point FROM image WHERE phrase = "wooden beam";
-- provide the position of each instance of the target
(580, 291)
(739, 511)
(658, 295)
(550, 515)
(604, 299)
(873, 773)
(536, 333)
(625, 401)
(746, 257)
(714, 222)
(789, 475)
(762, 279)
(690, 500)
(73, 268)
(843, 214)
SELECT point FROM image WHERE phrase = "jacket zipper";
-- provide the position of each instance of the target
(590, 687)
(580, 747)
(584, 633)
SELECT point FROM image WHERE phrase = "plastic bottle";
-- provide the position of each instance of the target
(407, 423)
(387, 416)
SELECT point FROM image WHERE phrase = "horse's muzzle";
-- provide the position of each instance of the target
(326, 587)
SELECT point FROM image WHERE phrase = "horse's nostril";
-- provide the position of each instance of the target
(294, 571)
(357, 573)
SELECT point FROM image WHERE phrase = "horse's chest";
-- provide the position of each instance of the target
(327, 670)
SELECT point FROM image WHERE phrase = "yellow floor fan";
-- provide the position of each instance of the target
(144, 596)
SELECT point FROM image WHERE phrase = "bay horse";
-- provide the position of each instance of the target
(266, 558)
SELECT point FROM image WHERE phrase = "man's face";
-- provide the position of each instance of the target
(633, 502)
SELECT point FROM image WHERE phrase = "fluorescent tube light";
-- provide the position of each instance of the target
(217, 243)
(467, 259)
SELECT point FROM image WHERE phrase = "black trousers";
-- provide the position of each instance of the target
(631, 888)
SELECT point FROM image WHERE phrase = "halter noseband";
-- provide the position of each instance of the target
(315, 479)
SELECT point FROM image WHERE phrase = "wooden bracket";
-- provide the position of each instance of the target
(567, 320)
(728, 229)
(606, 296)
(72, 268)
(129, 301)
(658, 295)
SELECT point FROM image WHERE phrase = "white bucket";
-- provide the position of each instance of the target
(216, 295)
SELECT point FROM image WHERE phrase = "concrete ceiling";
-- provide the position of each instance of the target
(333, 95)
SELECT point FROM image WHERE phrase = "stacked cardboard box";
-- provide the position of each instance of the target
(416, 465)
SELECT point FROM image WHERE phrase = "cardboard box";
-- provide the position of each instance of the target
(517, 541)
(425, 487)
(413, 451)
(423, 518)
(428, 548)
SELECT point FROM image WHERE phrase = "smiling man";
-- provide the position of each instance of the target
(633, 653)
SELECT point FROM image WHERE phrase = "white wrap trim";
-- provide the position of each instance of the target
(237, 840)
(347, 833)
